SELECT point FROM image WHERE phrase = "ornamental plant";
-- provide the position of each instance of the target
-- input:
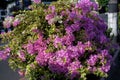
(60, 41)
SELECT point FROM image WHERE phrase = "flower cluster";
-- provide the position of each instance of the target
(11, 21)
(68, 60)
(84, 20)
(8, 22)
(37, 1)
(4, 54)
(60, 41)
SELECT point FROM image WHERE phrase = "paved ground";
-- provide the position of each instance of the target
(114, 73)
(6, 73)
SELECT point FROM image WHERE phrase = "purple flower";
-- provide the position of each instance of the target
(37, 1)
(42, 58)
(7, 24)
(5, 53)
(92, 60)
(95, 6)
(92, 69)
(51, 21)
(16, 22)
(52, 8)
(49, 16)
(7, 50)
(104, 53)
(105, 68)
(59, 62)
(91, 35)
(103, 39)
(57, 68)
(88, 44)
(22, 55)
(36, 30)
(8, 21)
(86, 5)
(68, 30)
(73, 52)
(62, 57)
(74, 66)
(30, 49)
(106, 56)
(68, 39)
(72, 15)
(101, 25)
(73, 69)
(21, 73)
(3, 56)
(79, 42)
(75, 27)
(37, 46)
(57, 41)
(40, 44)
(81, 48)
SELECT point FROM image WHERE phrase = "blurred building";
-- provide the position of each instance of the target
(5, 6)
(8, 6)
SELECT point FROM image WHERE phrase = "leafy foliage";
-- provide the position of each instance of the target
(103, 4)
(60, 41)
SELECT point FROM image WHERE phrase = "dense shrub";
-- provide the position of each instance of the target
(60, 41)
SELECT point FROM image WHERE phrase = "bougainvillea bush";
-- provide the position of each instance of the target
(60, 41)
